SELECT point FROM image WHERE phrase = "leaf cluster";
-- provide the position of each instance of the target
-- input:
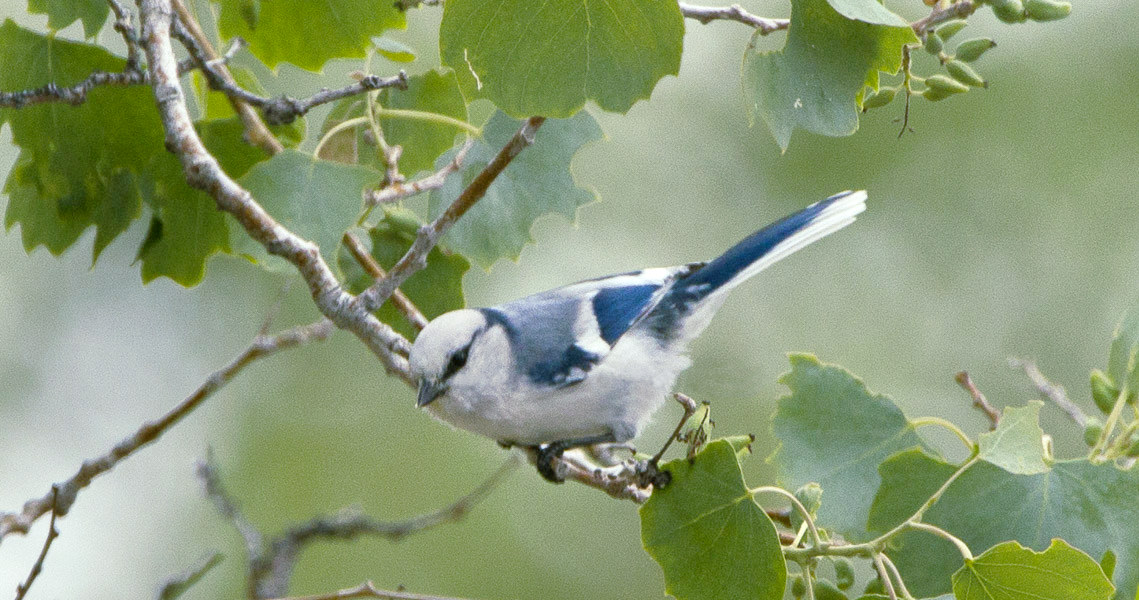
(871, 489)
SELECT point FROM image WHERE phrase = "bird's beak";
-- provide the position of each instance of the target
(429, 390)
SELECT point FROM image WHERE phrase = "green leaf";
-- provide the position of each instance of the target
(1092, 507)
(70, 154)
(825, 590)
(537, 182)
(550, 59)
(435, 289)
(1010, 571)
(394, 50)
(316, 199)
(186, 228)
(709, 536)
(61, 13)
(1121, 361)
(92, 164)
(834, 431)
(42, 223)
(434, 92)
(1017, 443)
(908, 479)
(834, 49)
(306, 33)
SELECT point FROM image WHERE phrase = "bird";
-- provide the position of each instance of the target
(590, 362)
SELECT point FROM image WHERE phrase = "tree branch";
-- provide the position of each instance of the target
(416, 257)
(957, 10)
(979, 401)
(281, 109)
(271, 564)
(368, 590)
(52, 533)
(195, 40)
(77, 94)
(203, 172)
(63, 495)
(707, 14)
(124, 24)
(1047, 389)
(373, 268)
(398, 191)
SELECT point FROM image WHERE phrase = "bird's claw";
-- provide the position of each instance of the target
(548, 461)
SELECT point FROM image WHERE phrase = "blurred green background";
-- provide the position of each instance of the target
(1005, 225)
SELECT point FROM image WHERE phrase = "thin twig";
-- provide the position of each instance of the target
(373, 268)
(707, 14)
(368, 590)
(52, 533)
(125, 25)
(279, 110)
(176, 585)
(398, 191)
(271, 562)
(1049, 390)
(979, 401)
(941, 14)
(415, 258)
(689, 405)
(63, 494)
(77, 94)
(200, 48)
(216, 492)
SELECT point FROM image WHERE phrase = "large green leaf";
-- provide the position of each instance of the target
(1010, 571)
(834, 48)
(1092, 507)
(61, 13)
(549, 58)
(42, 224)
(1017, 443)
(538, 181)
(90, 165)
(316, 199)
(434, 290)
(307, 33)
(834, 431)
(422, 141)
(707, 533)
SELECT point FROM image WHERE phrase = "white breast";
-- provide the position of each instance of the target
(618, 396)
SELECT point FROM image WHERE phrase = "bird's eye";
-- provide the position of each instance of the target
(458, 360)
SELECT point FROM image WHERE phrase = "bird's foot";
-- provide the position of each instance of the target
(548, 456)
(649, 473)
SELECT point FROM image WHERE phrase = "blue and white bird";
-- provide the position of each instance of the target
(589, 363)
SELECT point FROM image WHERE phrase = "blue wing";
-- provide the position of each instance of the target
(558, 336)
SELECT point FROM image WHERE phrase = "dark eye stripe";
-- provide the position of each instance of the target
(458, 361)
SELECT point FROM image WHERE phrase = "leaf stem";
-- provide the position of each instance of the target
(938, 421)
(815, 539)
(419, 115)
(341, 126)
(897, 576)
(875, 546)
(884, 576)
(943, 534)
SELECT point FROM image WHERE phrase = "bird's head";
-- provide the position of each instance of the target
(443, 349)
